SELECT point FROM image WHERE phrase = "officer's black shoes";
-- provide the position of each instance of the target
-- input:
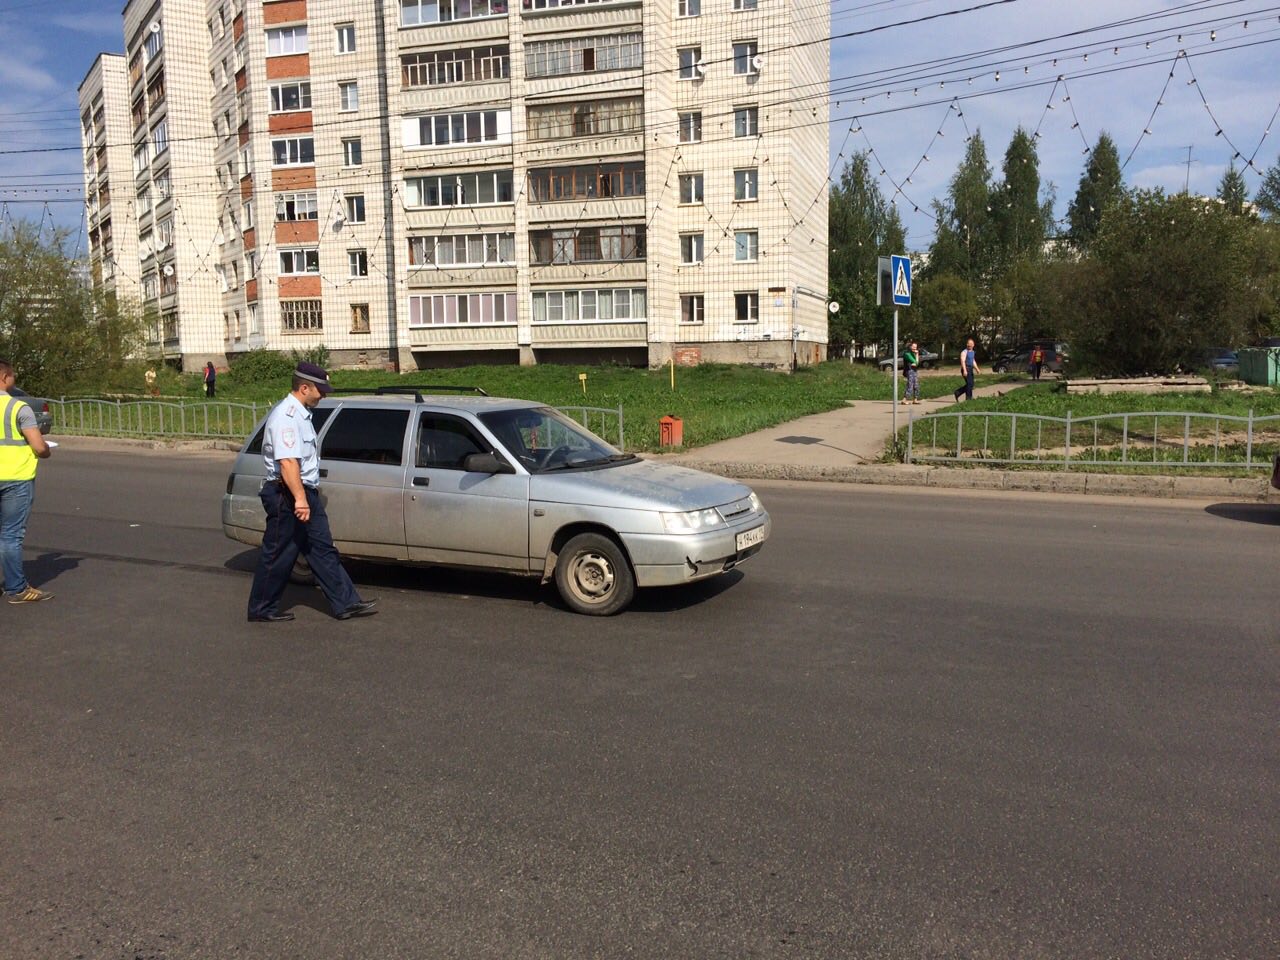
(272, 618)
(361, 608)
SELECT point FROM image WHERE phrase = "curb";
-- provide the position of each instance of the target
(73, 442)
(1256, 489)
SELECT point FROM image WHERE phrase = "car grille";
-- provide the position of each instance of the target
(733, 511)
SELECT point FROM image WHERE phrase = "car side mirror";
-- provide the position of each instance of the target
(486, 463)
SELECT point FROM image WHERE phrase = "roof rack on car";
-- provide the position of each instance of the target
(415, 390)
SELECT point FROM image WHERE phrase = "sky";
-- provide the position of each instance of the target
(877, 53)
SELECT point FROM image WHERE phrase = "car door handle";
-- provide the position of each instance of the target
(324, 472)
(422, 481)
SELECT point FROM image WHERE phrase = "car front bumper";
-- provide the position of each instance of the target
(668, 559)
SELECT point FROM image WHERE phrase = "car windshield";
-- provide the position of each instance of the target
(544, 439)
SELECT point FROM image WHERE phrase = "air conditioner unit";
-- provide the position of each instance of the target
(757, 63)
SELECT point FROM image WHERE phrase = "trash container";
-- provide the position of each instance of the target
(1260, 366)
(671, 432)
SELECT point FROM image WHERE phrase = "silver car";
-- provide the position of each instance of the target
(513, 486)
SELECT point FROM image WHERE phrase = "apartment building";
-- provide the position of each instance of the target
(429, 182)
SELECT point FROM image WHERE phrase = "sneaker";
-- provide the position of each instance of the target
(29, 595)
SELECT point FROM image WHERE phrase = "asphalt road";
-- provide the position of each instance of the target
(918, 725)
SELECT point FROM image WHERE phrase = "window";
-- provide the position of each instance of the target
(693, 308)
(459, 190)
(689, 8)
(746, 184)
(561, 121)
(162, 186)
(415, 12)
(746, 245)
(295, 206)
(744, 4)
(301, 316)
(455, 66)
(354, 204)
(357, 263)
(164, 233)
(691, 247)
(359, 318)
(587, 244)
(291, 96)
(251, 265)
(689, 59)
(346, 37)
(348, 96)
(744, 55)
(746, 307)
(454, 309)
(366, 435)
(746, 121)
(445, 442)
(552, 4)
(246, 158)
(141, 157)
(592, 54)
(153, 43)
(225, 73)
(691, 127)
(690, 188)
(293, 152)
(351, 153)
(255, 321)
(463, 250)
(160, 138)
(589, 306)
(285, 41)
(299, 261)
(586, 182)
(447, 129)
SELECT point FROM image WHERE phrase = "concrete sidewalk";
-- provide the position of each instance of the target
(855, 434)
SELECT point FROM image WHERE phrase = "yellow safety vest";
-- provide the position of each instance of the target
(17, 459)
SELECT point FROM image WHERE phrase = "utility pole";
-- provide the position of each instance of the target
(1186, 183)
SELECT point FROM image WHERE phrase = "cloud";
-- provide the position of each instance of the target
(106, 24)
(25, 77)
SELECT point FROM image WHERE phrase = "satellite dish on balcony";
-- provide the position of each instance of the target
(757, 63)
(701, 66)
(339, 222)
(154, 26)
(168, 270)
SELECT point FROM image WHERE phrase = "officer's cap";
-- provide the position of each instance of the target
(314, 375)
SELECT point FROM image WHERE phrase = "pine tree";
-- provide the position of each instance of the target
(1016, 215)
(1268, 198)
(1232, 190)
(964, 240)
(1101, 185)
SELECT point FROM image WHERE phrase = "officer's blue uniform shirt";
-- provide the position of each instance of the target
(290, 436)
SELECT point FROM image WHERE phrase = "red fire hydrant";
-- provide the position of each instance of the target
(671, 432)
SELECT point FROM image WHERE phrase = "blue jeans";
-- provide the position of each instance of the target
(16, 497)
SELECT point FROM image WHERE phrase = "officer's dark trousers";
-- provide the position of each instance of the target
(284, 539)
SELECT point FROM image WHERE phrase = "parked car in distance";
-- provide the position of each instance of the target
(1018, 360)
(1222, 360)
(44, 418)
(928, 360)
(509, 485)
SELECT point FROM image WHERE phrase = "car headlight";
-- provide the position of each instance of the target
(694, 521)
(756, 505)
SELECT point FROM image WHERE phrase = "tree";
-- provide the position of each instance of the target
(1268, 198)
(1101, 186)
(53, 328)
(1017, 217)
(1153, 294)
(863, 227)
(1232, 190)
(964, 240)
(944, 310)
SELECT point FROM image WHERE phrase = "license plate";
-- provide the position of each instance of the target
(749, 538)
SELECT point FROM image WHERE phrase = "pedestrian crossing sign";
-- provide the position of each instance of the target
(901, 267)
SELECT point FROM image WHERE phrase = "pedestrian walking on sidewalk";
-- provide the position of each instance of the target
(296, 518)
(21, 445)
(968, 367)
(911, 370)
(210, 380)
(1037, 361)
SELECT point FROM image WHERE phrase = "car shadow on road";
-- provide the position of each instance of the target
(1264, 513)
(47, 567)
(371, 577)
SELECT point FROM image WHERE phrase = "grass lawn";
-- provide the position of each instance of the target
(714, 401)
(1146, 440)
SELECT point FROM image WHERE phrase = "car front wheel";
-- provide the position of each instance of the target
(593, 576)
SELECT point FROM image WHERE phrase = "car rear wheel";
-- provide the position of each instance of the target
(301, 573)
(593, 576)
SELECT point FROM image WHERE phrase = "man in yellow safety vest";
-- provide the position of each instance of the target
(20, 444)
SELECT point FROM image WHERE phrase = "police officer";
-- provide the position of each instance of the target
(296, 521)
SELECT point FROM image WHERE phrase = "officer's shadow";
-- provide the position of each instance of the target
(47, 567)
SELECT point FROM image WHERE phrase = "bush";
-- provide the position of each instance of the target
(262, 366)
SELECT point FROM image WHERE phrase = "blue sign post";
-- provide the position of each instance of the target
(901, 267)
(900, 277)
